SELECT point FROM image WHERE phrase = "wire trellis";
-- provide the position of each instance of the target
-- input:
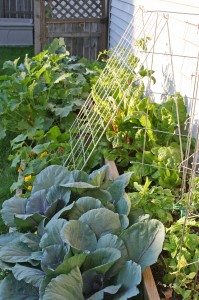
(89, 126)
(177, 71)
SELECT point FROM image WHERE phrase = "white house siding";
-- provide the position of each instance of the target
(176, 72)
(121, 12)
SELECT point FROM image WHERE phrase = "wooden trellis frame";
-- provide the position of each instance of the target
(83, 25)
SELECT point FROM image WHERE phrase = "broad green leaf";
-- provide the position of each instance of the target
(58, 193)
(149, 237)
(37, 202)
(50, 176)
(178, 102)
(15, 252)
(79, 236)
(53, 256)
(28, 222)
(111, 289)
(65, 287)
(82, 205)
(63, 213)
(5, 266)
(129, 277)
(42, 70)
(10, 237)
(97, 177)
(52, 235)
(19, 138)
(117, 188)
(80, 176)
(36, 256)
(41, 148)
(46, 280)
(11, 207)
(192, 241)
(53, 133)
(124, 221)
(79, 187)
(123, 206)
(112, 241)
(61, 77)
(15, 163)
(12, 289)
(69, 263)
(63, 112)
(102, 221)
(20, 181)
(11, 64)
(31, 240)
(55, 46)
(100, 194)
(101, 260)
(29, 275)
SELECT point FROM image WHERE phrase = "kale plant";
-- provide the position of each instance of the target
(74, 240)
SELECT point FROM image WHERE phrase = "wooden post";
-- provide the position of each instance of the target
(104, 26)
(150, 289)
(37, 26)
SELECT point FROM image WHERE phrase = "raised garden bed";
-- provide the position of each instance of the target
(150, 289)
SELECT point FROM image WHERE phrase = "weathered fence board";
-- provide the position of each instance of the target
(17, 9)
(82, 24)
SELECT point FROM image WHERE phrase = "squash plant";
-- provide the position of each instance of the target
(74, 239)
(43, 90)
(39, 99)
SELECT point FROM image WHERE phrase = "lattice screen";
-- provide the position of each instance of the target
(69, 9)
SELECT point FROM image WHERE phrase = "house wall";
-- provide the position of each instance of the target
(175, 58)
(121, 12)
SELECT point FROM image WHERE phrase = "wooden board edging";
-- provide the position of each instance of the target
(150, 289)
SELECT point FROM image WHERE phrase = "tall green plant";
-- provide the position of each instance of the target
(41, 91)
(140, 132)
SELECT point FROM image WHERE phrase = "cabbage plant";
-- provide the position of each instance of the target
(73, 239)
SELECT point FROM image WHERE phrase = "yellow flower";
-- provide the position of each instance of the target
(20, 169)
(29, 188)
(43, 154)
(27, 178)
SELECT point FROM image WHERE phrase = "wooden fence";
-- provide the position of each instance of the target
(83, 25)
(17, 9)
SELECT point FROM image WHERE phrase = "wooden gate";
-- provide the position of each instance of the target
(82, 24)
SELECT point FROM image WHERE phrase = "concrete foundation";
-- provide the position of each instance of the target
(16, 32)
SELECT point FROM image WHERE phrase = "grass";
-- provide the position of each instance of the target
(8, 175)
